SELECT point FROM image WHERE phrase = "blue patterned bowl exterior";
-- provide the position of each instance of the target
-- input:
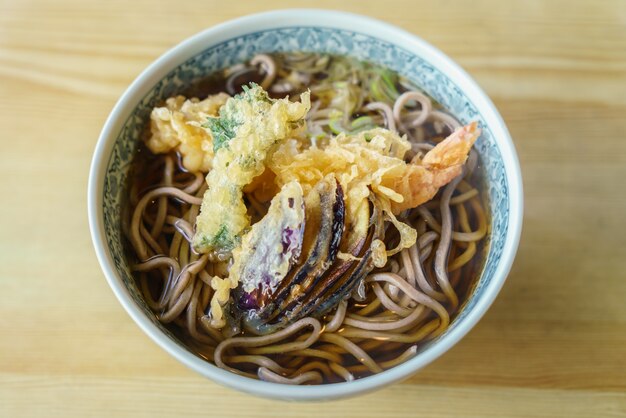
(314, 39)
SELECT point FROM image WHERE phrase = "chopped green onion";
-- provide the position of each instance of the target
(363, 120)
(375, 89)
(389, 83)
(335, 122)
(362, 123)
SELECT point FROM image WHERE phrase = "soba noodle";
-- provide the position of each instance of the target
(412, 299)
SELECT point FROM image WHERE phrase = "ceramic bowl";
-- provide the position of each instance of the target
(318, 31)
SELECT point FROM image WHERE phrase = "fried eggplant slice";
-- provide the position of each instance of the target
(325, 217)
(270, 249)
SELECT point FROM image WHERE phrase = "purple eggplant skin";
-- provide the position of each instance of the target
(326, 297)
(322, 239)
(338, 281)
(270, 249)
(338, 225)
(309, 279)
(353, 242)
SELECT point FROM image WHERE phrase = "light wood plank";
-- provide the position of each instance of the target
(553, 344)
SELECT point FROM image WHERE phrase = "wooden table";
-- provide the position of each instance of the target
(553, 344)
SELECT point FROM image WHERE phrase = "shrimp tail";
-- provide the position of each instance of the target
(453, 150)
(423, 177)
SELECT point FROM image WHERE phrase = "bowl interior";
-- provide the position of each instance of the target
(314, 39)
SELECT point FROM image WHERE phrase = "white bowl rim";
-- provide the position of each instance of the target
(312, 18)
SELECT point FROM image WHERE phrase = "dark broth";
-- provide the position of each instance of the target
(146, 173)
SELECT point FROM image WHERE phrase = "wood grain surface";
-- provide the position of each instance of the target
(552, 345)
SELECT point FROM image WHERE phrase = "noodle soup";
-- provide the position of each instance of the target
(350, 234)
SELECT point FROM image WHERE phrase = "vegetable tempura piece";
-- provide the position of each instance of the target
(266, 254)
(177, 125)
(246, 132)
(373, 162)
